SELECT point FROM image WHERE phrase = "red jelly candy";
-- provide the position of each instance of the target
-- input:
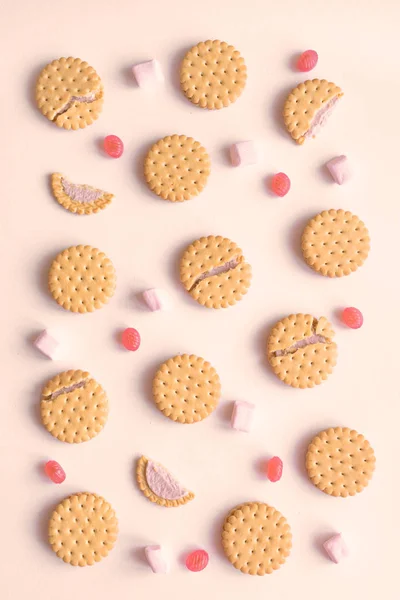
(274, 469)
(114, 146)
(197, 560)
(307, 61)
(54, 471)
(280, 184)
(352, 317)
(131, 339)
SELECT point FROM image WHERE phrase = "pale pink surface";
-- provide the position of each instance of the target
(145, 239)
(339, 169)
(242, 416)
(321, 117)
(47, 344)
(336, 548)
(156, 299)
(156, 558)
(148, 74)
(80, 193)
(162, 483)
(243, 153)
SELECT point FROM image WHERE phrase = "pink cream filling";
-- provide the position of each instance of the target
(321, 117)
(228, 266)
(66, 390)
(80, 193)
(312, 339)
(162, 483)
(89, 98)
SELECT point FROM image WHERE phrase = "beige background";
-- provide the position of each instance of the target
(359, 50)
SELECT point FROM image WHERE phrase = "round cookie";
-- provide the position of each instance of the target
(335, 243)
(73, 407)
(78, 199)
(82, 279)
(83, 529)
(159, 486)
(256, 538)
(308, 107)
(69, 92)
(186, 388)
(300, 350)
(213, 74)
(340, 462)
(214, 272)
(176, 168)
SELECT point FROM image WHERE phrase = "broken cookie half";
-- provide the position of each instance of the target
(214, 272)
(69, 92)
(159, 486)
(308, 107)
(78, 199)
(301, 350)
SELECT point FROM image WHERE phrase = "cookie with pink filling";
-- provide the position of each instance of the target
(308, 107)
(159, 486)
(78, 199)
(301, 350)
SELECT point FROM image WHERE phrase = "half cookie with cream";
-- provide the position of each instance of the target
(159, 486)
(308, 107)
(80, 199)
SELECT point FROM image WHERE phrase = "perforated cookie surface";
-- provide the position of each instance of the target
(213, 74)
(214, 272)
(303, 104)
(335, 243)
(74, 407)
(312, 361)
(82, 279)
(256, 538)
(93, 201)
(340, 461)
(83, 529)
(186, 388)
(69, 92)
(176, 168)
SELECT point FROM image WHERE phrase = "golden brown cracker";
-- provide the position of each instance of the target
(74, 407)
(213, 74)
(167, 483)
(335, 243)
(300, 350)
(78, 199)
(303, 104)
(69, 92)
(214, 272)
(82, 279)
(340, 461)
(256, 538)
(176, 168)
(83, 529)
(186, 388)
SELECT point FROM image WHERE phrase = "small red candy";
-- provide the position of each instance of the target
(352, 317)
(131, 339)
(307, 61)
(197, 560)
(114, 146)
(54, 471)
(274, 468)
(280, 184)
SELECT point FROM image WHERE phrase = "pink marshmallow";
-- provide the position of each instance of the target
(156, 299)
(339, 169)
(336, 548)
(148, 74)
(47, 345)
(243, 153)
(242, 416)
(156, 559)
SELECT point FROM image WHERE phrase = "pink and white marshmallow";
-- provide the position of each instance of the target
(243, 153)
(148, 74)
(336, 548)
(243, 416)
(339, 169)
(47, 345)
(156, 299)
(156, 559)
